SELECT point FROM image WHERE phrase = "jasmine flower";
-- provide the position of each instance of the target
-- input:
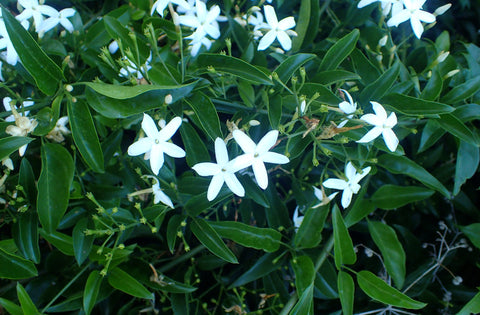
(297, 221)
(160, 5)
(277, 30)
(347, 107)
(58, 18)
(160, 196)
(412, 12)
(320, 194)
(33, 9)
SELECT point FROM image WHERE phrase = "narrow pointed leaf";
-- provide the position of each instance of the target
(343, 245)
(375, 90)
(346, 291)
(392, 196)
(304, 305)
(28, 307)
(15, 267)
(207, 114)
(457, 128)
(26, 179)
(82, 244)
(195, 149)
(124, 282)
(290, 65)
(92, 287)
(25, 234)
(11, 144)
(335, 76)
(262, 267)
(468, 158)
(433, 88)
(472, 307)
(472, 231)
(338, 52)
(62, 242)
(11, 307)
(274, 106)
(414, 106)
(462, 91)
(309, 233)
(304, 273)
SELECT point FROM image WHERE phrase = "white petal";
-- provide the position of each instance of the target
(346, 198)
(68, 12)
(140, 146)
(48, 24)
(67, 25)
(156, 159)
(379, 111)
(149, 126)
(212, 14)
(399, 18)
(181, 3)
(213, 31)
(364, 3)
(240, 162)
(214, 187)
(244, 141)
(372, 119)
(221, 153)
(160, 6)
(416, 26)
(318, 193)
(425, 16)
(390, 139)
(273, 157)
(335, 183)
(189, 20)
(47, 10)
(267, 40)
(201, 9)
(170, 129)
(22, 149)
(207, 169)
(358, 177)
(350, 171)
(160, 196)
(270, 16)
(267, 142)
(173, 150)
(371, 135)
(391, 121)
(261, 174)
(284, 40)
(234, 185)
(286, 23)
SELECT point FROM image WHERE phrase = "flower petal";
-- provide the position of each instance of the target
(244, 141)
(149, 126)
(346, 198)
(335, 183)
(372, 119)
(260, 172)
(267, 40)
(170, 129)
(240, 162)
(160, 196)
(215, 186)
(390, 139)
(207, 168)
(234, 184)
(399, 18)
(172, 150)
(273, 157)
(350, 171)
(371, 135)
(270, 16)
(141, 146)
(156, 159)
(221, 153)
(286, 23)
(267, 142)
(284, 40)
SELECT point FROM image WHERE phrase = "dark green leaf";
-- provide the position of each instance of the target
(62, 242)
(54, 185)
(205, 110)
(472, 307)
(233, 66)
(472, 231)
(360, 209)
(346, 291)
(15, 267)
(377, 89)
(208, 237)
(26, 179)
(26, 302)
(124, 282)
(173, 227)
(304, 273)
(11, 144)
(302, 25)
(367, 71)
(338, 52)
(290, 65)
(335, 76)
(430, 135)
(462, 91)
(324, 94)
(392, 251)
(85, 135)
(92, 287)
(457, 128)
(343, 245)
(253, 192)
(46, 73)
(467, 112)
(392, 196)
(262, 267)
(309, 233)
(413, 106)
(304, 305)
(274, 106)
(249, 236)
(11, 307)
(433, 88)
(25, 233)
(380, 291)
(468, 158)
(82, 244)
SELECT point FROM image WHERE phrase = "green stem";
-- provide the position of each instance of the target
(176, 261)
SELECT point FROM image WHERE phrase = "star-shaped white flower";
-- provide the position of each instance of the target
(223, 172)
(155, 144)
(383, 126)
(258, 154)
(349, 186)
(347, 107)
(203, 21)
(413, 12)
(394, 6)
(324, 200)
(130, 68)
(278, 30)
(160, 196)
(58, 18)
(33, 9)
(160, 5)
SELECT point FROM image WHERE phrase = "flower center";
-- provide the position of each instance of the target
(157, 141)
(223, 169)
(256, 155)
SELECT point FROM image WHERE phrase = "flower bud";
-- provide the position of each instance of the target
(168, 99)
(441, 10)
(383, 41)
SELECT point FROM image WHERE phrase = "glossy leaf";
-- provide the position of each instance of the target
(122, 92)
(11, 144)
(252, 191)
(262, 267)
(430, 135)
(28, 307)
(25, 234)
(472, 307)
(346, 291)
(390, 197)
(205, 110)
(339, 51)
(290, 65)
(377, 89)
(367, 71)
(274, 106)
(85, 135)
(46, 73)
(301, 27)
(472, 231)
(124, 282)
(343, 245)
(325, 95)
(249, 236)
(26, 179)
(360, 209)
(457, 128)
(208, 237)
(304, 273)
(62, 242)
(233, 66)
(414, 106)
(304, 305)
(468, 158)
(405, 166)
(120, 32)
(309, 233)
(172, 228)
(335, 76)
(54, 185)
(82, 243)
(433, 88)
(462, 91)
(392, 251)
(15, 267)
(195, 149)
(92, 288)
(380, 291)
(11, 307)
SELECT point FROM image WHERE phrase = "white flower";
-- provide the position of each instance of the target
(23, 126)
(413, 13)
(160, 196)
(6, 103)
(347, 107)
(35, 10)
(320, 194)
(160, 5)
(383, 126)
(155, 144)
(441, 10)
(278, 30)
(58, 18)
(131, 69)
(5, 43)
(297, 221)
(59, 130)
(349, 186)
(223, 172)
(394, 6)
(258, 154)
(197, 43)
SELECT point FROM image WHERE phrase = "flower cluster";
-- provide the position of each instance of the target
(404, 10)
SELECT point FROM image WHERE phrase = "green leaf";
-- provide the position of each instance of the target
(392, 251)
(233, 66)
(114, 101)
(274, 106)
(380, 291)
(413, 106)
(309, 233)
(173, 227)
(304, 305)
(290, 65)
(304, 273)
(252, 191)
(468, 158)
(15, 267)
(360, 209)
(430, 135)
(467, 112)
(25, 234)
(85, 135)
(11, 307)
(375, 90)
(54, 185)
(433, 88)
(302, 25)
(335, 76)
(208, 237)
(457, 128)
(472, 307)
(124, 282)
(462, 91)
(205, 110)
(11, 144)
(46, 73)
(62, 242)
(367, 71)
(262, 267)
(82, 244)
(472, 231)
(405, 166)
(324, 94)
(249, 236)
(92, 287)
(26, 302)
(120, 32)
(343, 245)
(338, 52)
(26, 179)
(390, 197)
(346, 291)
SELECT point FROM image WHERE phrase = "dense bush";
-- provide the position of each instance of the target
(291, 157)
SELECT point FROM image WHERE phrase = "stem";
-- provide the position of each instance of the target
(174, 263)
